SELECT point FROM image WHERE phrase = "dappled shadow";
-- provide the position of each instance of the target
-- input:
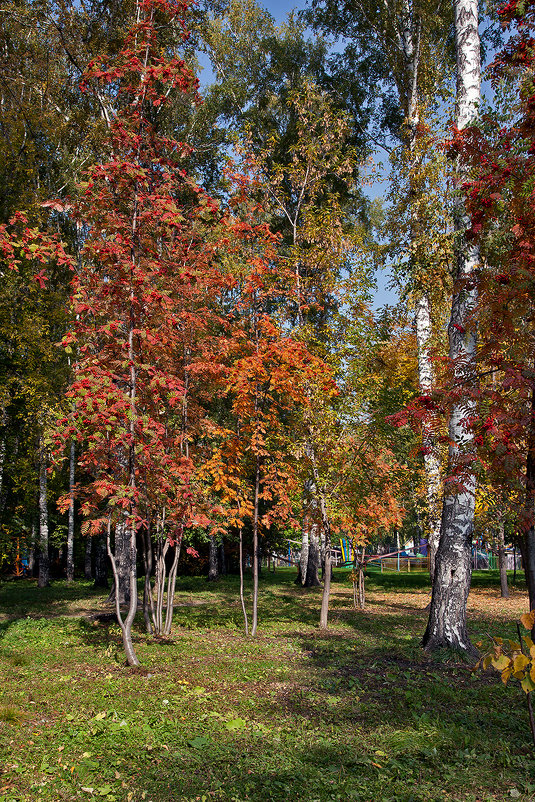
(22, 598)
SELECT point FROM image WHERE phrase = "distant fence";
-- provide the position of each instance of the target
(403, 564)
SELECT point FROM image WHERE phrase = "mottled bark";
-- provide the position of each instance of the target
(431, 461)
(44, 560)
(303, 559)
(126, 623)
(312, 579)
(213, 567)
(122, 555)
(70, 528)
(447, 616)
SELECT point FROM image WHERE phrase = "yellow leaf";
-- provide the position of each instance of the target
(502, 662)
(487, 661)
(527, 684)
(520, 662)
(528, 620)
(506, 673)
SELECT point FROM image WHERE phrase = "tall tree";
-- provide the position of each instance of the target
(447, 616)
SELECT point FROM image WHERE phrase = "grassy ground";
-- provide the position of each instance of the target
(357, 714)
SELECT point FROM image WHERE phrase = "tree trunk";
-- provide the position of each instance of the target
(88, 571)
(222, 558)
(527, 541)
(242, 599)
(255, 547)
(502, 556)
(148, 606)
(101, 561)
(70, 530)
(303, 559)
(31, 548)
(171, 586)
(126, 624)
(213, 568)
(447, 616)
(44, 560)
(312, 579)
(122, 554)
(324, 614)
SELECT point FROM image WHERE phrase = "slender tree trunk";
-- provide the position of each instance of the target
(324, 614)
(361, 577)
(502, 556)
(303, 559)
(88, 570)
(3, 494)
(148, 607)
(431, 461)
(70, 530)
(312, 579)
(126, 624)
(447, 616)
(222, 558)
(527, 540)
(101, 561)
(31, 548)
(44, 560)
(255, 546)
(122, 555)
(213, 568)
(171, 586)
(242, 599)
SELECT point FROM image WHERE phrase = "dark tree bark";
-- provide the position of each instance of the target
(88, 569)
(213, 567)
(222, 558)
(101, 561)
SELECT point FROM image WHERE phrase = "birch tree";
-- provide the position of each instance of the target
(447, 617)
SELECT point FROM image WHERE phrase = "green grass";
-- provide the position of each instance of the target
(359, 713)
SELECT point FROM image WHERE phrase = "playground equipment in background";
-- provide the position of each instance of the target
(401, 560)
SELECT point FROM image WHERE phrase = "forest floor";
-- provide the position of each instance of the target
(359, 713)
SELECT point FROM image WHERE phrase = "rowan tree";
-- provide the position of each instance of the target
(143, 316)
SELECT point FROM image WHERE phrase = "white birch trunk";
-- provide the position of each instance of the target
(431, 460)
(70, 530)
(44, 561)
(447, 617)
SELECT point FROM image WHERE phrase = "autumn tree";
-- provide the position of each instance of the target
(141, 306)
